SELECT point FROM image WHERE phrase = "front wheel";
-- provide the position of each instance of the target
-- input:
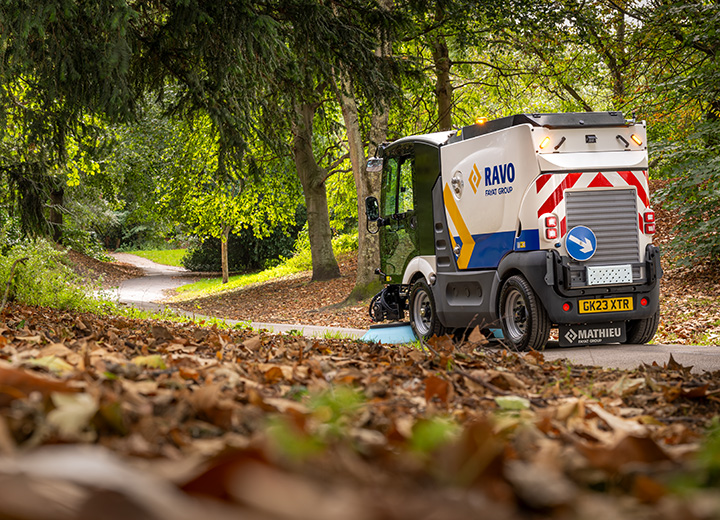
(642, 331)
(525, 323)
(423, 314)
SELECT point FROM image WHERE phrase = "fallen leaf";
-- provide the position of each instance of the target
(512, 402)
(155, 361)
(16, 383)
(618, 423)
(436, 387)
(628, 450)
(53, 364)
(253, 343)
(72, 414)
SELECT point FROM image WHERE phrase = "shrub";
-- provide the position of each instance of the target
(246, 252)
(44, 279)
(693, 164)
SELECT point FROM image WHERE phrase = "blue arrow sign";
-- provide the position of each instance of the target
(581, 243)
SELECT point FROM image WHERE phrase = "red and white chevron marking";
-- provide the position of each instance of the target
(551, 189)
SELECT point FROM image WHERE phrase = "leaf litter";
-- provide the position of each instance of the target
(130, 418)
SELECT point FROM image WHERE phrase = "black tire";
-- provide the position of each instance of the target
(525, 323)
(423, 314)
(642, 331)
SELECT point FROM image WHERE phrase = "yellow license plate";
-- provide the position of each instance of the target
(605, 305)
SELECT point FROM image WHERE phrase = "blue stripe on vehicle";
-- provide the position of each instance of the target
(529, 240)
(489, 249)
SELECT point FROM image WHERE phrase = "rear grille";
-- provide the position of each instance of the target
(612, 215)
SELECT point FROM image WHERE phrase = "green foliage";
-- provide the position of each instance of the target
(335, 407)
(9, 228)
(430, 434)
(706, 467)
(332, 413)
(300, 261)
(709, 456)
(174, 257)
(693, 165)
(246, 251)
(44, 279)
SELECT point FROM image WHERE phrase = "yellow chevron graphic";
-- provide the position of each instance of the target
(468, 244)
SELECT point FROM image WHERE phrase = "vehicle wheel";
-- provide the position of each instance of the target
(423, 315)
(642, 331)
(525, 323)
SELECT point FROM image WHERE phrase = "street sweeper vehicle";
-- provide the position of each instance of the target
(523, 224)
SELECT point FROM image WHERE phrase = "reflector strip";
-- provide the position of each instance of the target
(468, 244)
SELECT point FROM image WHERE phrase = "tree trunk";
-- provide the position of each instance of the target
(312, 179)
(366, 184)
(224, 254)
(441, 60)
(443, 86)
(619, 63)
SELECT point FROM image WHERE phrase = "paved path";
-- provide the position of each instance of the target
(631, 356)
(149, 291)
(150, 288)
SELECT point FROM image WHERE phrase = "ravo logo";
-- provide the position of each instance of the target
(499, 174)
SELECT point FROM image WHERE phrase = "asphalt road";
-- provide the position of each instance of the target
(152, 287)
(149, 291)
(702, 359)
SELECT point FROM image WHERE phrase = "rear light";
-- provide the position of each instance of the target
(649, 222)
(636, 139)
(550, 224)
(544, 142)
(566, 307)
(644, 302)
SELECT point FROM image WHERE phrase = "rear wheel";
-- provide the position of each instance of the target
(642, 331)
(423, 314)
(525, 323)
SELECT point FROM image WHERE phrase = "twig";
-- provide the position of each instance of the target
(425, 346)
(494, 389)
(7, 285)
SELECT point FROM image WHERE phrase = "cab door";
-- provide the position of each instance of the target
(398, 238)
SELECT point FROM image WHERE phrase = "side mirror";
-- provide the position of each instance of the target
(372, 208)
(374, 165)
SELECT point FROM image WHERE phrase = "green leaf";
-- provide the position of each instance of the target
(512, 402)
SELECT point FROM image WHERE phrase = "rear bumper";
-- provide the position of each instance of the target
(547, 275)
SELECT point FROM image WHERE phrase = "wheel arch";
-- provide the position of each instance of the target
(420, 266)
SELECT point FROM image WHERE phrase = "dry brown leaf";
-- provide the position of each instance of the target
(16, 383)
(436, 387)
(628, 450)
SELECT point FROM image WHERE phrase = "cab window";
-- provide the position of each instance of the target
(397, 186)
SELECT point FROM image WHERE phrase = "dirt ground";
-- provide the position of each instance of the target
(295, 299)
(109, 274)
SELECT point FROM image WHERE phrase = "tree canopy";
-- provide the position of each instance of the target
(256, 100)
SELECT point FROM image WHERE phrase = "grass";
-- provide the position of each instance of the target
(296, 264)
(165, 256)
